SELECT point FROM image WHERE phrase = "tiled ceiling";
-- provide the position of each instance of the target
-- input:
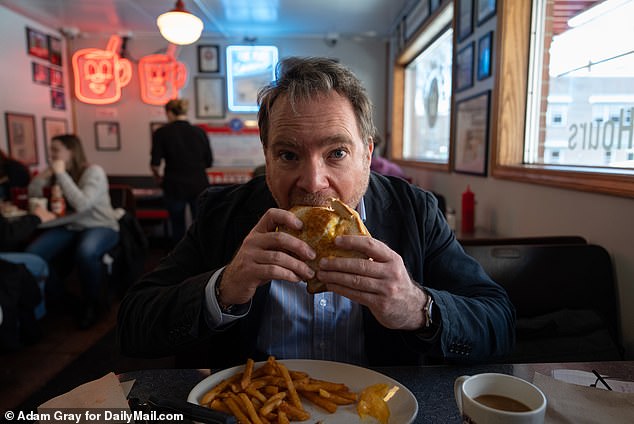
(222, 18)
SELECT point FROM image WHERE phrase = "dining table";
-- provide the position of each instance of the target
(431, 385)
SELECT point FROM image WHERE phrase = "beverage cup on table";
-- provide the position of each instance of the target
(493, 398)
(34, 202)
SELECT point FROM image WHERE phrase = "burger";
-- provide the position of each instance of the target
(322, 224)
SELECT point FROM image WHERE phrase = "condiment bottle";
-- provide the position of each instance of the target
(58, 203)
(468, 211)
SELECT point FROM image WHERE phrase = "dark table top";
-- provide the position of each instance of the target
(431, 385)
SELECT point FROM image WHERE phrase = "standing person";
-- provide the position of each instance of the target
(90, 228)
(236, 285)
(187, 154)
(13, 173)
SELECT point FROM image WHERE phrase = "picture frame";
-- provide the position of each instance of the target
(155, 125)
(58, 99)
(465, 19)
(471, 142)
(434, 4)
(415, 18)
(485, 56)
(486, 10)
(464, 67)
(40, 73)
(208, 58)
(21, 137)
(52, 127)
(107, 136)
(56, 78)
(37, 43)
(210, 97)
(55, 50)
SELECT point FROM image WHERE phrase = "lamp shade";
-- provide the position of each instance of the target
(178, 26)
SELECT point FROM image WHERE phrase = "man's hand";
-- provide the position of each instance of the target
(264, 256)
(382, 284)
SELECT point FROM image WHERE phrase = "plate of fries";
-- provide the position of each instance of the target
(294, 390)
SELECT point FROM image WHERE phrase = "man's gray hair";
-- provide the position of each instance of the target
(301, 79)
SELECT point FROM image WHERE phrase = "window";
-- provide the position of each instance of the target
(568, 120)
(249, 68)
(428, 102)
(421, 121)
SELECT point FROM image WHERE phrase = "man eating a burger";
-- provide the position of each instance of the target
(387, 281)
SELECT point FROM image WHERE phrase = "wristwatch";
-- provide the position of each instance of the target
(225, 309)
(428, 309)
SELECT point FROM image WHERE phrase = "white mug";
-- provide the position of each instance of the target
(501, 393)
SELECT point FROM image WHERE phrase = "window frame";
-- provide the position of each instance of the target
(424, 36)
(509, 104)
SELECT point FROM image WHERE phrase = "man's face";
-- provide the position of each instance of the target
(316, 152)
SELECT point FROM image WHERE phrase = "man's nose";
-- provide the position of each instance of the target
(313, 176)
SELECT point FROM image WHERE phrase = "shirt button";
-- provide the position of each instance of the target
(323, 303)
(322, 345)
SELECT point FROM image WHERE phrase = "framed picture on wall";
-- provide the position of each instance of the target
(40, 73)
(37, 43)
(471, 142)
(57, 77)
(55, 50)
(415, 18)
(58, 99)
(485, 47)
(52, 127)
(465, 19)
(208, 58)
(107, 136)
(21, 137)
(486, 9)
(464, 65)
(210, 97)
(155, 126)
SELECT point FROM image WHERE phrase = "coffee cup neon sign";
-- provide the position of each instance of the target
(161, 76)
(101, 74)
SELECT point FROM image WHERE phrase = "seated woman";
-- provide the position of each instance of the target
(90, 229)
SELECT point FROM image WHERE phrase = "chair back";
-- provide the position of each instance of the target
(121, 196)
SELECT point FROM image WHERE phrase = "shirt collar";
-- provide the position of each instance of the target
(361, 209)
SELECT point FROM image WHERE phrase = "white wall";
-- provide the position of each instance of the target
(515, 209)
(365, 58)
(18, 92)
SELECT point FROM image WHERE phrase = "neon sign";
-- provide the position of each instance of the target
(101, 74)
(161, 76)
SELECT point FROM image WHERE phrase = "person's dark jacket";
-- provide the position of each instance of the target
(163, 313)
(15, 232)
(187, 154)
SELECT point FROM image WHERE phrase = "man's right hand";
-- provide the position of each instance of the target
(264, 256)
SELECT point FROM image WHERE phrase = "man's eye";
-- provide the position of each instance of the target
(338, 154)
(287, 156)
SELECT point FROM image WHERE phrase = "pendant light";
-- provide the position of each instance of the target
(179, 26)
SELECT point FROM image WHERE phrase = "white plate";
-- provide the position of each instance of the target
(403, 406)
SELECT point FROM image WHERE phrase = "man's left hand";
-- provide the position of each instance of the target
(382, 284)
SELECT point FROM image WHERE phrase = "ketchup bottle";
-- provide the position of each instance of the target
(58, 203)
(468, 211)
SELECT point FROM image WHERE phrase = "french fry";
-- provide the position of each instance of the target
(292, 393)
(294, 413)
(282, 418)
(253, 415)
(273, 402)
(322, 402)
(246, 375)
(236, 411)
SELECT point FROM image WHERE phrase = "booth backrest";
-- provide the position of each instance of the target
(562, 281)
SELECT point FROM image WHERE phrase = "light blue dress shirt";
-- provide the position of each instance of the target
(298, 325)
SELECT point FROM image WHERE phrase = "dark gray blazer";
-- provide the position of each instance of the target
(163, 313)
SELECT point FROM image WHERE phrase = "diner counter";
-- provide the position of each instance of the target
(431, 385)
